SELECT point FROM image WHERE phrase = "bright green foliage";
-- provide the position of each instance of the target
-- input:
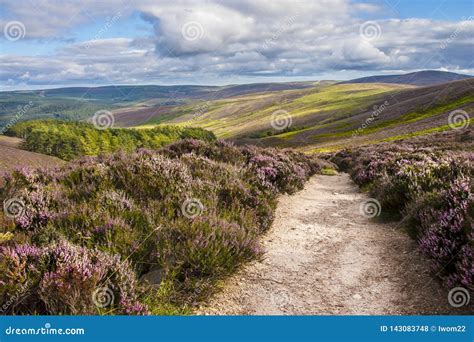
(68, 140)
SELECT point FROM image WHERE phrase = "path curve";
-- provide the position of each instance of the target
(325, 258)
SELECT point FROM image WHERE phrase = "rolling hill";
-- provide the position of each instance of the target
(313, 116)
(251, 115)
(326, 116)
(419, 78)
(80, 103)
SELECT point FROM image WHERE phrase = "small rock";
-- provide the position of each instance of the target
(154, 277)
(357, 296)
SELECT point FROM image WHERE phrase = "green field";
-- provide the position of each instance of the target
(326, 117)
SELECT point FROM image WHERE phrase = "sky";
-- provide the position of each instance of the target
(56, 43)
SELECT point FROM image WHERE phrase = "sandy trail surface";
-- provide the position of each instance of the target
(323, 256)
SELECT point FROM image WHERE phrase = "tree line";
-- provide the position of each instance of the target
(68, 140)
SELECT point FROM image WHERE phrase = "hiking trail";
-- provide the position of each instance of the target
(324, 257)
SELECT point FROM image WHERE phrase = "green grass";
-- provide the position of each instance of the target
(420, 114)
(402, 120)
(325, 149)
(422, 132)
(328, 171)
(340, 97)
(254, 120)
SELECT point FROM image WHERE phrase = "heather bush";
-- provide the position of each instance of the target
(191, 211)
(277, 170)
(65, 279)
(431, 188)
(204, 246)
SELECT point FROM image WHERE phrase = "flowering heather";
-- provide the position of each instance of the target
(62, 278)
(432, 189)
(106, 221)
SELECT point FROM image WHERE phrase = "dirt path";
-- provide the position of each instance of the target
(324, 257)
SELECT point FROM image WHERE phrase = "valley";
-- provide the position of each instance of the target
(309, 116)
(240, 199)
(324, 117)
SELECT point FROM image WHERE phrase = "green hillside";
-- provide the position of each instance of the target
(241, 116)
(80, 103)
(328, 116)
(68, 140)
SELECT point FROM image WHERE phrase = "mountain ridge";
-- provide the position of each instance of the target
(418, 78)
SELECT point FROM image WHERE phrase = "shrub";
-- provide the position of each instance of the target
(66, 279)
(192, 211)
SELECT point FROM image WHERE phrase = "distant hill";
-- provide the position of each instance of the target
(244, 89)
(419, 78)
(323, 117)
(121, 93)
(80, 103)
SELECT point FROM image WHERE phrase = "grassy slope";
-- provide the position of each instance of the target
(421, 110)
(252, 114)
(331, 116)
(79, 103)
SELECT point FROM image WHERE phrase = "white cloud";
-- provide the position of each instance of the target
(229, 39)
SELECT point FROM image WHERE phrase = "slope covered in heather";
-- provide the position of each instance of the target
(143, 232)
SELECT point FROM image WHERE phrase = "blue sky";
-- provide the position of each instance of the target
(430, 9)
(52, 43)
